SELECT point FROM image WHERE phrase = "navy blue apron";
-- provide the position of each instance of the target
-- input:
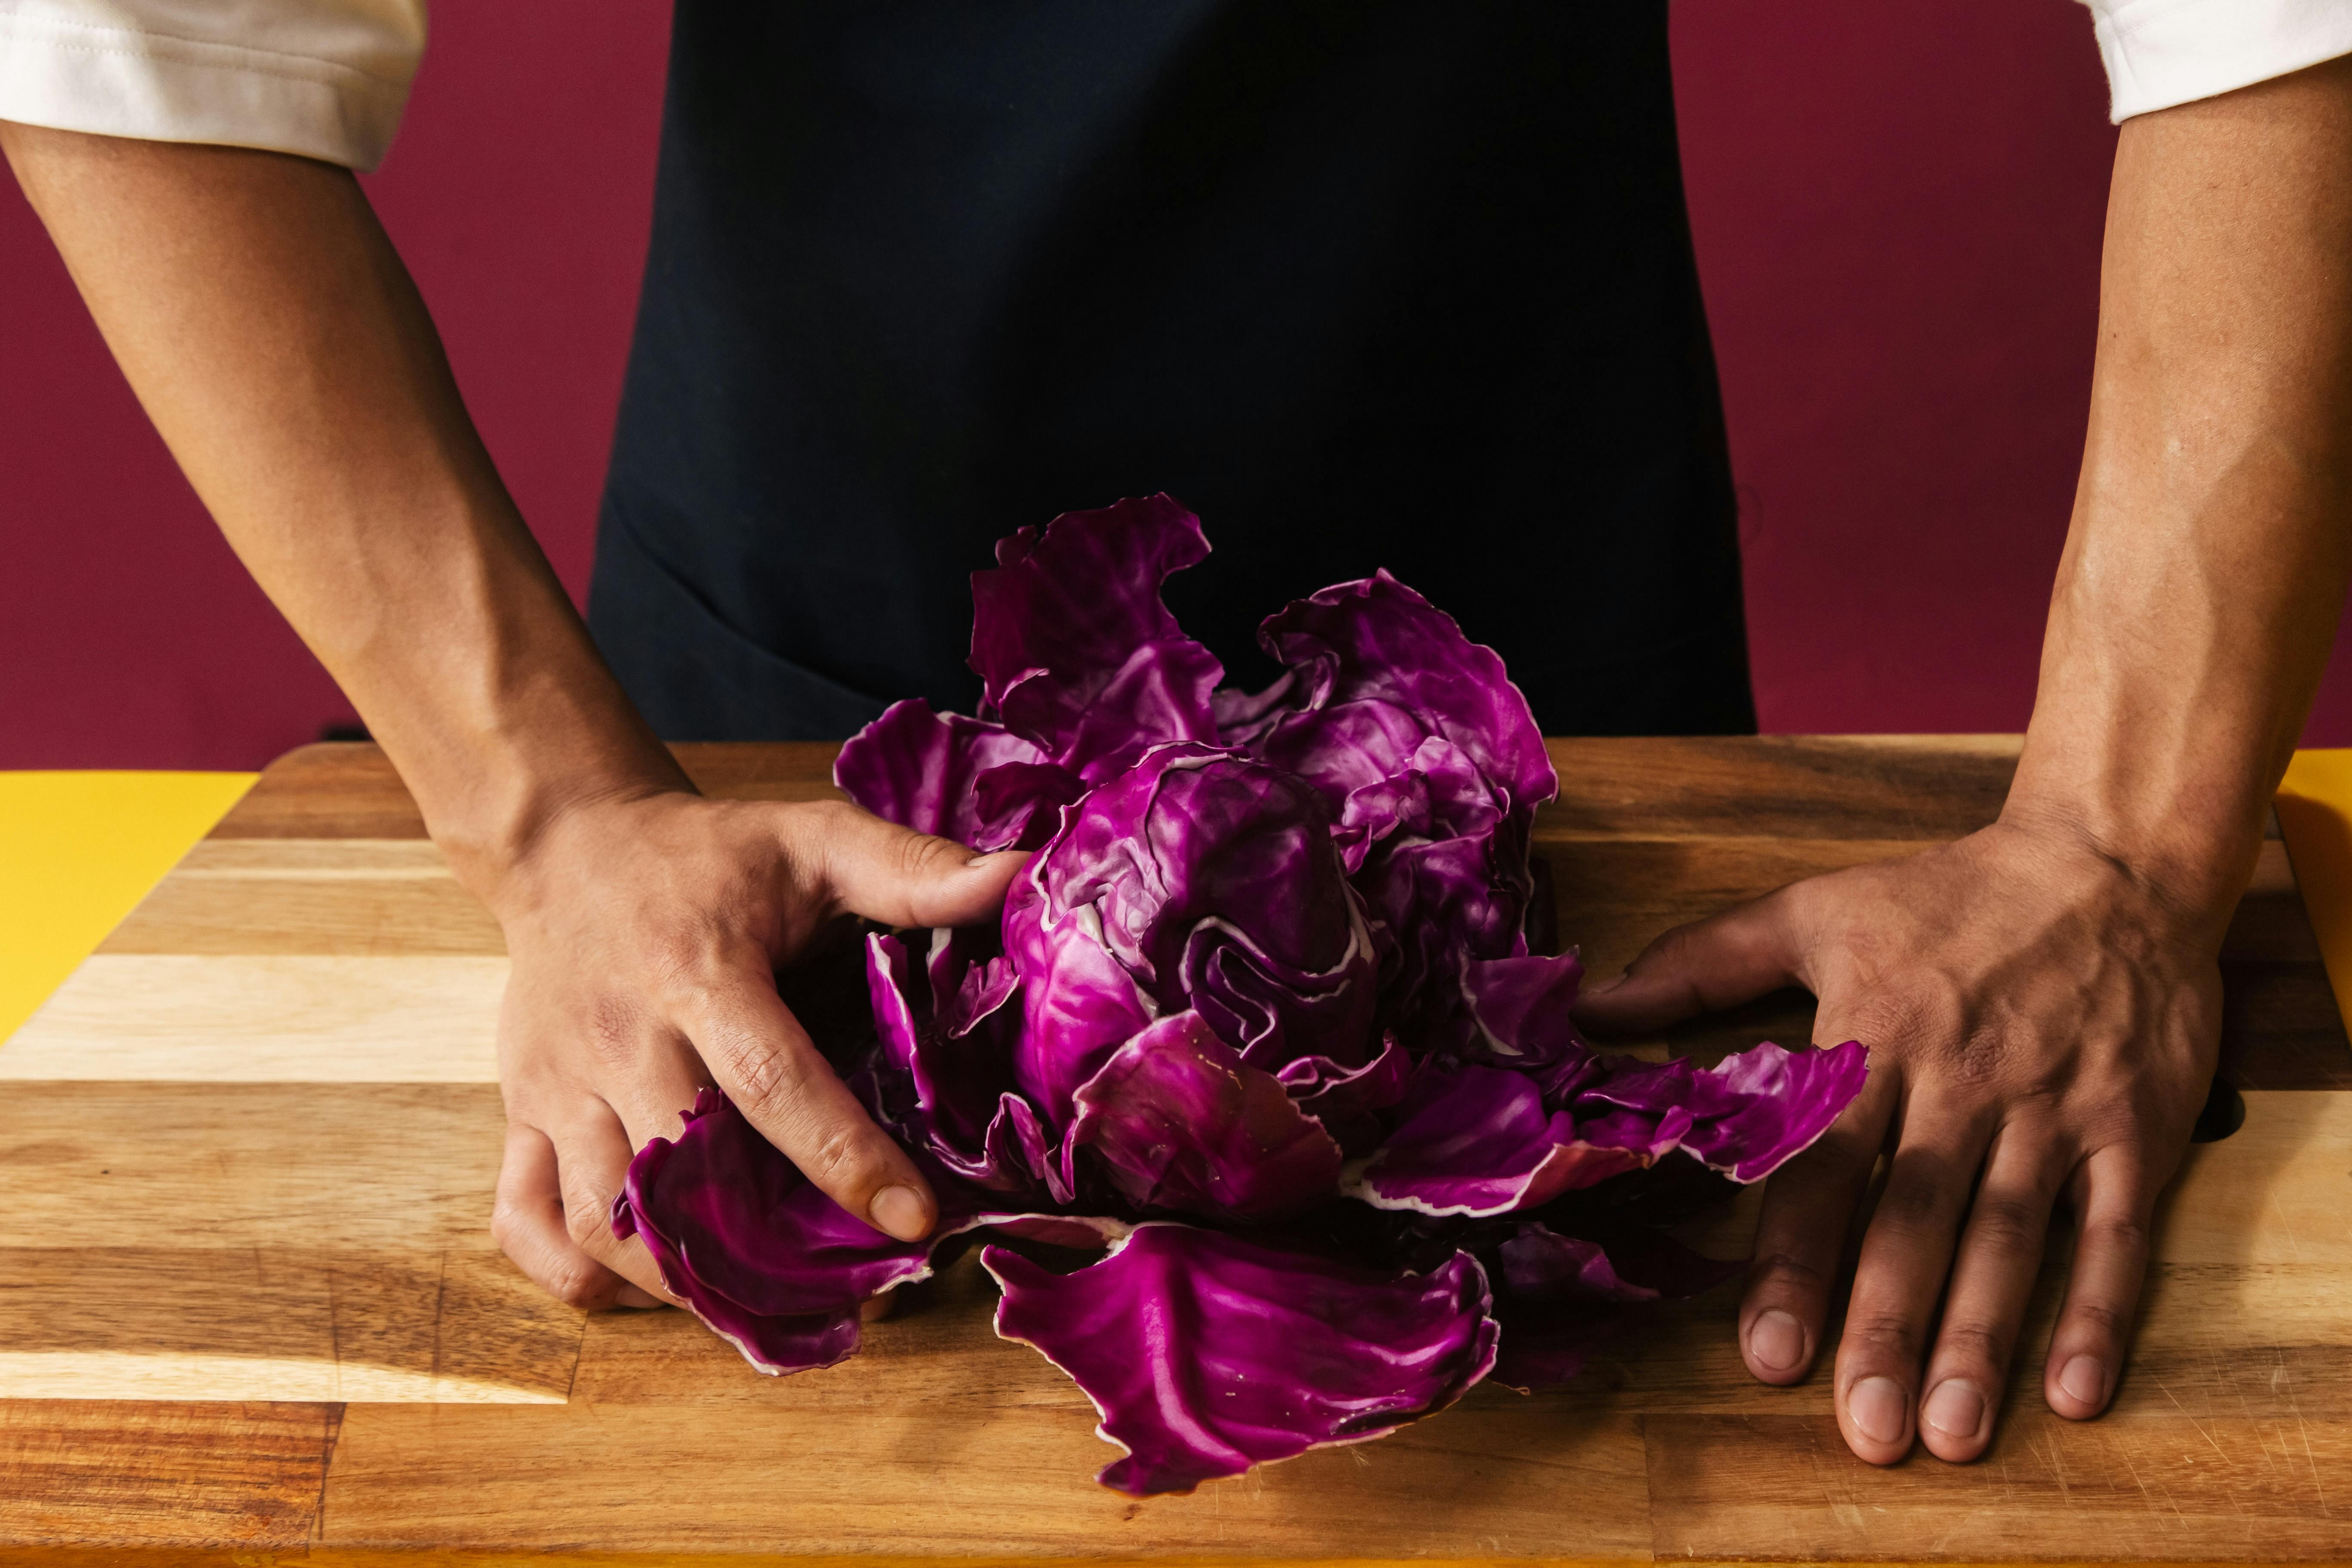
(1400, 283)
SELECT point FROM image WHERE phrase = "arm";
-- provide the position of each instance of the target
(2043, 999)
(273, 336)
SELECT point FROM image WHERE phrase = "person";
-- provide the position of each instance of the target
(1405, 284)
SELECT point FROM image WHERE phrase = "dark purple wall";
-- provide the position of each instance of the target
(1897, 211)
(518, 192)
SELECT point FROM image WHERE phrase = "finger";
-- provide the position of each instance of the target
(1717, 962)
(1906, 1254)
(592, 1158)
(1808, 1206)
(896, 876)
(526, 1222)
(1992, 1280)
(785, 1087)
(656, 1086)
(2115, 1206)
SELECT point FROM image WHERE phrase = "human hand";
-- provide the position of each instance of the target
(2041, 1023)
(645, 933)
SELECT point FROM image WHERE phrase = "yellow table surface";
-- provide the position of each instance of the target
(78, 851)
(2314, 813)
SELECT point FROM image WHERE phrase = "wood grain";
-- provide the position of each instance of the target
(341, 897)
(1921, 788)
(2148, 1489)
(1918, 788)
(346, 791)
(1490, 1480)
(392, 1325)
(274, 1019)
(325, 857)
(84, 1473)
(249, 1165)
(249, 1151)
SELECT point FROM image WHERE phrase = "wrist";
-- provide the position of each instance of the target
(2187, 865)
(2158, 752)
(507, 848)
(496, 797)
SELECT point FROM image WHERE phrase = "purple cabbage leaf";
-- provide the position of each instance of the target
(1262, 1018)
(1206, 1353)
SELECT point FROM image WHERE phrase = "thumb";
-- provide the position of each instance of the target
(1703, 967)
(896, 876)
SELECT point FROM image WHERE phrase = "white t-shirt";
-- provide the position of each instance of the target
(328, 79)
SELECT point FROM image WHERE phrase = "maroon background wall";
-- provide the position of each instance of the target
(1897, 211)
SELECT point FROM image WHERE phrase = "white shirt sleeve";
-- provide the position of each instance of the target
(325, 78)
(2163, 52)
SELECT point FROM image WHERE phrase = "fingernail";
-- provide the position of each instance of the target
(2085, 1379)
(899, 1212)
(1878, 1409)
(1956, 1408)
(1777, 1340)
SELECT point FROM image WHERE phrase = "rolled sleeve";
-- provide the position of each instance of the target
(2163, 52)
(324, 79)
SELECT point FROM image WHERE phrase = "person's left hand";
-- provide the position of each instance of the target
(2041, 1022)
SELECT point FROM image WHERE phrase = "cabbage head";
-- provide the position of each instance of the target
(1261, 1031)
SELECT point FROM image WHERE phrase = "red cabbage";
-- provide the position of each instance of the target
(1261, 1016)
(1206, 1353)
(1178, 1120)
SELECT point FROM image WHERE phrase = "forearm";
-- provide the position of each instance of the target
(2212, 532)
(281, 350)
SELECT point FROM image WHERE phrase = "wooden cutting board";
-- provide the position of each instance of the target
(249, 1304)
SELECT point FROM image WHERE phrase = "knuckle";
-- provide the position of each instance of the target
(1888, 1019)
(2122, 1124)
(585, 1217)
(919, 855)
(2125, 1233)
(1978, 1062)
(1907, 1209)
(2009, 1225)
(1983, 1344)
(1788, 1272)
(1889, 1333)
(576, 1284)
(1665, 953)
(1840, 1158)
(766, 1078)
(1669, 948)
(840, 1159)
(685, 969)
(2103, 1316)
(613, 1029)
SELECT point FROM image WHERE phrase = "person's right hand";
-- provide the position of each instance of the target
(644, 935)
